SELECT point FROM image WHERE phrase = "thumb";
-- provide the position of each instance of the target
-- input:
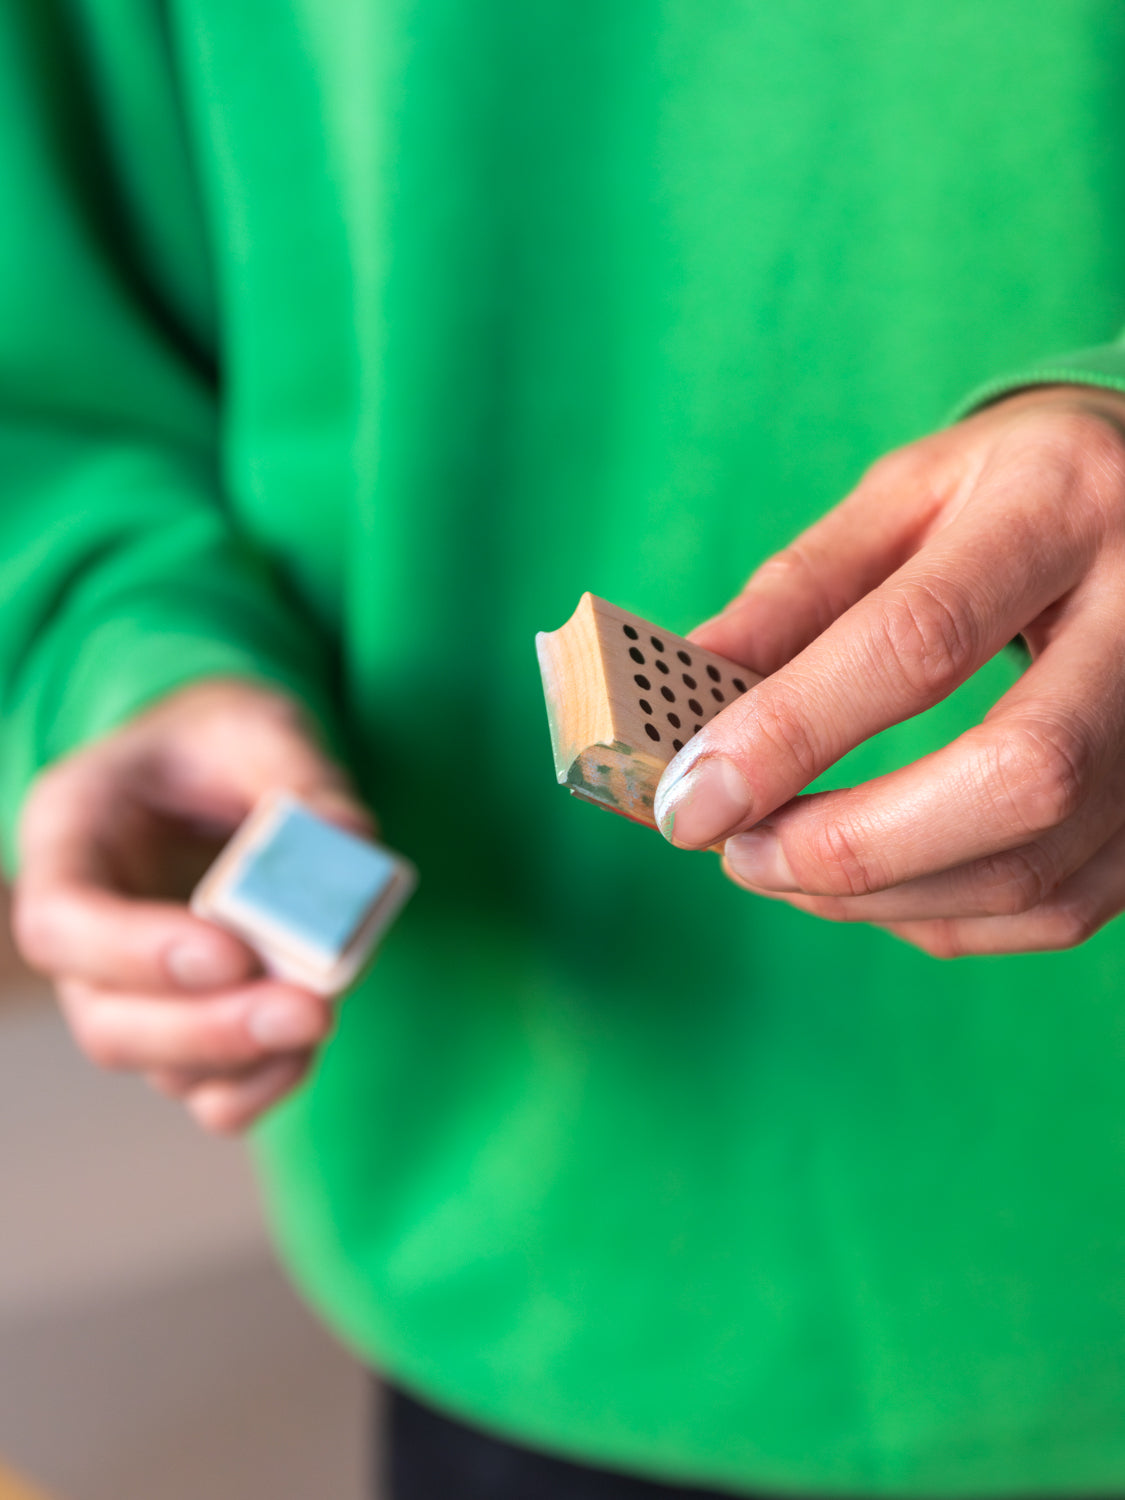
(236, 743)
(281, 752)
(797, 593)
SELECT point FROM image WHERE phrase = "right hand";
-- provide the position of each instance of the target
(1010, 839)
(112, 839)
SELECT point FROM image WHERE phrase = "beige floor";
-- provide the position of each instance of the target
(209, 1387)
(13, 1487)
(149, 1348)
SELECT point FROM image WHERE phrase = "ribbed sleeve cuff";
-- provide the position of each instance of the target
(1102, 366)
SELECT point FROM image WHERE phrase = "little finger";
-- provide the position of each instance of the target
(228, 1105)
(1072, 914)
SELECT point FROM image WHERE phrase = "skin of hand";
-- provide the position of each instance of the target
(1010, 839)
(112, 840)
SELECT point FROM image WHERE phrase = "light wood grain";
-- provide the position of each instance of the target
(623, 697)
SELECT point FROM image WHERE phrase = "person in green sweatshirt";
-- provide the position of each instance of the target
(341, 348)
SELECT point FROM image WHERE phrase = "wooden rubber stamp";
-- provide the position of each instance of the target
(311, 899)
(623, 696)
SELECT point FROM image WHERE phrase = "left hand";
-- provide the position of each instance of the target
(1012, 838)
(112, 839)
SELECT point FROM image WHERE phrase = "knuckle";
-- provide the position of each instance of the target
(830, 909)
(893, 470)
(34, 927)
(281, 720)
(799, 566)
(794, 569)
(939, 939)
(61, 791)
(1081, 452)
(782, 725)
(927, 637)
(221, 1038)
(99, 1042)
(842, 867)
(172, 1083)
(280, 712)
(1042, 773)
(792, 562)
(1084, 441)
(216, 1113)
(1071, 923)
(45, 920)
(53, 781)
(1014, 882)
(275, 726)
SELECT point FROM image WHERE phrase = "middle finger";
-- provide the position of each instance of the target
(1039, 774)
(215, 1033)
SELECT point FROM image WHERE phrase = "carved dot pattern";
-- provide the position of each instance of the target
(644, 683)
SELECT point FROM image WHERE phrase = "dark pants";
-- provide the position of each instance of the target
(429, 1457)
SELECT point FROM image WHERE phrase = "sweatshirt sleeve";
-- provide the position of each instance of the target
(1103, 365)
(122, 574)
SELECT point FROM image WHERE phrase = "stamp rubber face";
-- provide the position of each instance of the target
(315, 880)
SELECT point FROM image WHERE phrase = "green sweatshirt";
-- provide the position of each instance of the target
(344, 345)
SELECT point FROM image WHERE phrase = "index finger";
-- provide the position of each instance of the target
(71, 918)
(896, 652)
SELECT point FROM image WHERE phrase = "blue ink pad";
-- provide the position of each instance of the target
(314, 879)
(310, 898)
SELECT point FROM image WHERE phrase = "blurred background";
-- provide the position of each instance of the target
(149, 1347)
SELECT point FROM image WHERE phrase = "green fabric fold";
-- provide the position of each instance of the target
(122, 572)
(122, 580)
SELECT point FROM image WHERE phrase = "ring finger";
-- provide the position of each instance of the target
(232, 1029)
(1073, 913)
(228, 1105)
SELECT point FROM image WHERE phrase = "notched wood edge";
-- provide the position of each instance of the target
(591, 759)
(574, 687)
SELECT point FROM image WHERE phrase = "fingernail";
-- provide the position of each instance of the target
(283, 1024)
(197, 966)
(758, 858)
(703, 804)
